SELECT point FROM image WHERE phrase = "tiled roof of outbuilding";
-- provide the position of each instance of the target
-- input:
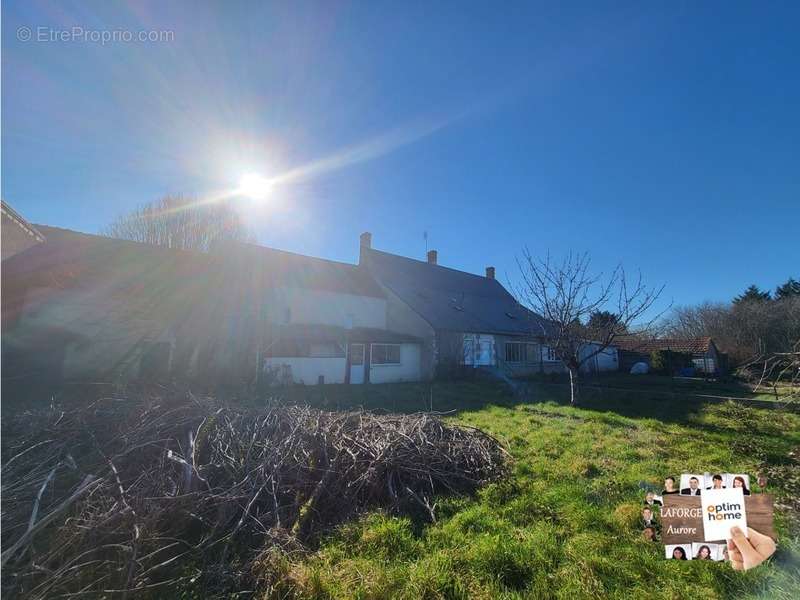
(699, 345)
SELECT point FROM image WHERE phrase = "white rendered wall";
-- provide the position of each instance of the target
(320, 307)
(407, 370)
(307, 370)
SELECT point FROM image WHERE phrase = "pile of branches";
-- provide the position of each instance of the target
(152, 496)
(777, 372)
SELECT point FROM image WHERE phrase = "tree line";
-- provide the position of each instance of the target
(755, 323)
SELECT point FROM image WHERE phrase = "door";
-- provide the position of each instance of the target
(356, 363)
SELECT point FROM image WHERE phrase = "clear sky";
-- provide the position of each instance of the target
(664, 136)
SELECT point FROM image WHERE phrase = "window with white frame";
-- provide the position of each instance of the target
(385, 354)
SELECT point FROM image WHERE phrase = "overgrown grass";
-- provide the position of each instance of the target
(564, 524)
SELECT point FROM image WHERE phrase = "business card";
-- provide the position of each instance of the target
(722, 509)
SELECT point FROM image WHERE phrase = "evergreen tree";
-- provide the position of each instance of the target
(752, 294)
(604, 319)
(789, 289)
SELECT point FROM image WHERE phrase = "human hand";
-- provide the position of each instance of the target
(745, 553)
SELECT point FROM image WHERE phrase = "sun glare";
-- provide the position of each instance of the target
(254, 186)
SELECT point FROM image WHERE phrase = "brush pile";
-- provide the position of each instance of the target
(149, 497)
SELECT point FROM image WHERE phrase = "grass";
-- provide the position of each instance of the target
(563, 525)
(726, 387)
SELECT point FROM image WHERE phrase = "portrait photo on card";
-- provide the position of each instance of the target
(670, 486)
(691, 484)
(678, 551)
(739, 480)
(707, 551)
(650, 499)
(716, 481)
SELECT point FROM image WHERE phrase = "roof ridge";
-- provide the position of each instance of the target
(122, 241)
(298, 254)
(422, 262)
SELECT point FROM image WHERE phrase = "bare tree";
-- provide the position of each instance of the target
(180, 222)
(747, 330)
(566, 294)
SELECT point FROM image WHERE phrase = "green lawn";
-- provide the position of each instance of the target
(563, 525)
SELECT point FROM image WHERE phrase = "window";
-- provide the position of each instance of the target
(357, 354)
(385, 354)
(469, 351)
(515, 352)
(549, 354)
(522, 352)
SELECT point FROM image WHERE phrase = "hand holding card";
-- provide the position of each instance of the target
(747, 553)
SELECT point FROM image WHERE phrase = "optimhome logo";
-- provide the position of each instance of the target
(724, 511)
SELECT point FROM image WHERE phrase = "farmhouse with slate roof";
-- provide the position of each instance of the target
(465, 320)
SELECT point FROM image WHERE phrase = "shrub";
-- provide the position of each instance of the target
(667, 362)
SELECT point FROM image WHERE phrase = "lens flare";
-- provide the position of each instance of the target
(254, 186)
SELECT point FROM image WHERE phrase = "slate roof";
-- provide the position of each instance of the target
(699, 345)
(70, 259)
(452, 300)
(252, 264)
(111, 272)
(298, 270)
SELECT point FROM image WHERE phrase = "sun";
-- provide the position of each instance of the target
(254, 186)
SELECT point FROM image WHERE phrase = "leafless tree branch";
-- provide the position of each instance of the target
(566, 293)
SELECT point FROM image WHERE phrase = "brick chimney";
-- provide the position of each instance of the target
(432, 257)
(364, 242)
(489, 272)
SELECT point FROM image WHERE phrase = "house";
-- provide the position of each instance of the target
(464, 320)
(85, 307)
(78, 306)
(705, 355)
(324, 321)
(17, 234)
(82, 306)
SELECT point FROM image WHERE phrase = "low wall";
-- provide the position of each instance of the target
(307, 370)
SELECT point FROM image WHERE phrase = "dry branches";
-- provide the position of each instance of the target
(133, 496)
(778, 372)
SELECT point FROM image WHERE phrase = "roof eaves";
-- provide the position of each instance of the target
(12, 214)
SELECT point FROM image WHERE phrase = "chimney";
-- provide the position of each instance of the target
(432, 257)
(364, 242)
(489, 272)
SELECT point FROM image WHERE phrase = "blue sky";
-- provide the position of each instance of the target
(663, 136)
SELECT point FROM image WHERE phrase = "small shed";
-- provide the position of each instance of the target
(705, 355)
